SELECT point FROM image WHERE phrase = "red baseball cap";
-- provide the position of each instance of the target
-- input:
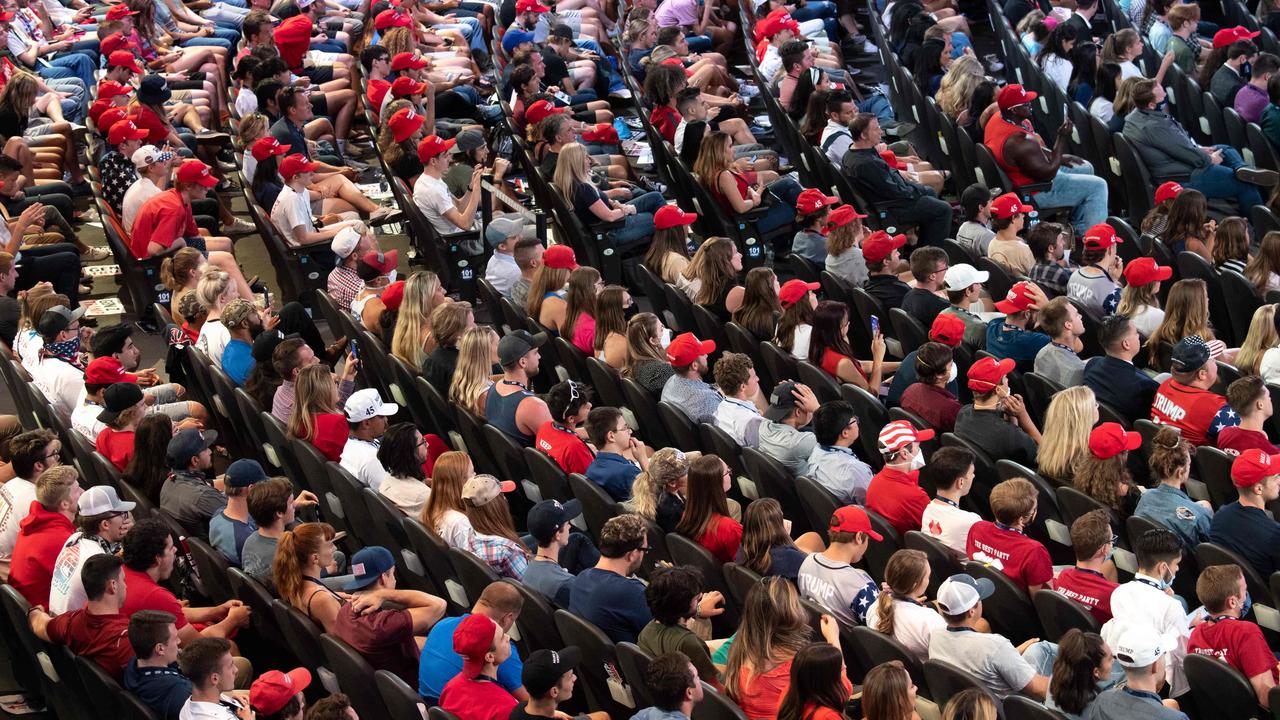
(560, 257)
(267, 146)
(404, 123)
(1144, 271)
(840, 217)
(391, 18)
(106, 371)
(540, 110)
(383, 262)
(1101, 237)
(669, 216)
(296, 163)
(393, 295)
(108, 89)
(1008, 205)
(603, 133)
(987, 372)
(110, 117)
(881, 245)
(852, 519)
(1167, 191)
(433, 145)
(523, 6)
(1013, 96)
(1223, 37)
(899, 434)
(792, 291)
(404, 86)
(1110, 439)
(293, 37)
(407, 60)
(6, 16)
(125, 130)
(811, 201)
(773, 24)
(686, 348)
(891, 158)
(194, 171)
(274, 689)
(122, 11)
(473, 638)
(947, 329)
(1252, 466)
(124, 59)
(113, 42)
(1020, 298)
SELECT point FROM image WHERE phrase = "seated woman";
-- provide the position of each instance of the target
(398, 143)
(767, 547)
(574, 183)
(738, 192)
(1140, 298)
(547, 289)
(795, 327)
(38, 135)
(610, 344)
(929, 397)
(495, 540)
(646, 354)
(1231, 244)
(706, 517)
(1264, 269)
(760, 307)
(845, 233)
(829, 349)
(1055, 57)
(444, 513)
(580, 308)
(668, 253)
(303, 556)
(712, 277)
(181, 272)
(1103, 474)
(316, 417)
(473, 375)
(527, 86)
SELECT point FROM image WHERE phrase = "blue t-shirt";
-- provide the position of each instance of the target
(905, 377)
(164, 690)
(1007, 341)
(611, 602)
(237, 361)
(614, 473)
(1248, 532)
(228, 535)
(439, 663)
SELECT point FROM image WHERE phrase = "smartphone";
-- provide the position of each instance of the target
(875, 326)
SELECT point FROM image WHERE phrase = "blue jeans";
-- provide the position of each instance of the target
(1219, 181)
(786, 191)
(76, 65)
(1078, 188)
(214, 41)
(638, 228)
(225, 15)
(878, 105)
(820, 10)
(698, 43)
(73, 108)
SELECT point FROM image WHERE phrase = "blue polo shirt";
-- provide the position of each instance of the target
(1007, 341)
(228, 534)
(613, 603)
(1121, 385)
(291, 135)
(439, 663)
(905, 377)
(614, 473)
(237, 361)
(1248, 532)
(164, 690)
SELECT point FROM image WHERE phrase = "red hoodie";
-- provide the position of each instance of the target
(40, 539)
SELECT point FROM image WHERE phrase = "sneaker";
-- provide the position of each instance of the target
(239, 227)
(226, 186)
(621, 94)
(1254, 176)
(746, 90)
(96, 253)
(633, 123)
(212, 136)
(992, 62)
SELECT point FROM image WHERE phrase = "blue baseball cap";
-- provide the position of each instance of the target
(243, 473)
(514, 39)
(368, 565)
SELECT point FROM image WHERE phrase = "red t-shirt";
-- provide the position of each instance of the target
(565, 447)
(1088, 588)
(722, 537)
(1238, 643)
(116, 446)
(1188, 408)
(147, 119)
(478, 698)
(103, 639)
(330, 435)
(377, 92)
(144, 594)
(896, 496)
(1016, 555)
(383, 637)
(162, 219)
(665, 120)
(831, 363)
(1238, 439)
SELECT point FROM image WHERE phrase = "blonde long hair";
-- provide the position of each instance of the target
(640, 329)
(571, 171)
(668, 472)
(314, 393)
(175, 269)
(398, 40)
(712, 266)
(413, 323)
(774, 627)
(1136, 297)
(471, 376)
(959, 84)
(1261, 338)
(1071, 416)
(711, 159)
(1266, 263)
(1186, 312)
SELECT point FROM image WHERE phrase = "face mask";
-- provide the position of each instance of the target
(1246, 69)
(917, 460)
(631, 311)
(1248, 604)
(666, 338)
(391, 277)
(68, 349)
(952, 372)
(1066, 256)
(1165, 584)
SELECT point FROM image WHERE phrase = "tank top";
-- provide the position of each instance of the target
(743, 187)
(997, 133)
(500, 411)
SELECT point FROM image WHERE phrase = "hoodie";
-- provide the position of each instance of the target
(164, 690)
(40, 539)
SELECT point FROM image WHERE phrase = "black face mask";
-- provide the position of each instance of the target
(631, 311)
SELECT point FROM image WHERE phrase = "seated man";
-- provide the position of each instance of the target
(894, 492)
(832, 462)
(1225, 635)
(187, 494)
(103, 520)
(1144, 657)
(950, 473)
(686, 388)
(366, 422)
(784, 435)
(620, 457)
(1060, 361)
(153, 673)
(1011, 337)
(1185, 399)
(499, 602)
(738, 415)
(1245, 526)
(998, 421)
(1003, 545)
(1023, 155)
(1114, 379)
(1001, 668)
(1086, 583)
(1169, 150)
(210, 666)
(561, 552)
(829, 579)
(907, 203)
(1095, 284)
(608, 595)
(43, 533)
(94, 631)
(1249, 397)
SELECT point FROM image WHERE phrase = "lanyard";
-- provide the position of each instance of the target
(1152, 583)
(1002, 526)
(517, 383)
(948, 501)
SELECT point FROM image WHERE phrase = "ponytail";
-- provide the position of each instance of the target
(292, 551)
(904, 573)
(1072, 683)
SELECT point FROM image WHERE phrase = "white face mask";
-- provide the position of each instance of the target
(977, 307)
(391, 277)
(666, 338)
(917, 460)
(952, 372)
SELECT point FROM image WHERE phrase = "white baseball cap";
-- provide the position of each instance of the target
(148, 155)
(364, 404)
(959, 593)
(100, 500)
(345, 242)
(960, 277)
(1139, 646)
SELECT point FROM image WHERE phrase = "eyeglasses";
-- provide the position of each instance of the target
(644, 549)
(1114, 538)
(54, 454)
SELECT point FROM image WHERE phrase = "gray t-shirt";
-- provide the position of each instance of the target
(257, 556)
(1122, 704)
(550, 579)
(520, 293)
(192, 501)
(975, 236)
(1060, 365)
(787, 445)
(849, 266)
(989, 657)
(975, 328)
(841, 589)
(1091, 287)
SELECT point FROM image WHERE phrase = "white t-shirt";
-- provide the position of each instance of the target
(292, 209)
(213, 339)
(27, 343)
(948, 524)
(433, 198)
(193, 710)
(360, 458)
(800, 341)
(250, 167)
(137, 194)
(1269, 368)
(408, 494)
(1059, 71)
(1137, 603)
(246, 102)
(16, 497)
(1147, 319)
(1102, 108)
(771, 63)
(455, 528)
(912, 625)
(61, 382)
(84, 420)
(66, 591)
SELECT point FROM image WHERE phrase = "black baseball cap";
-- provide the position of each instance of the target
(117, 398)
(544, 668)
(518, 343)
(547, 517)
(1189, 354)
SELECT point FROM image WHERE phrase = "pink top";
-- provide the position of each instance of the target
(584, 334)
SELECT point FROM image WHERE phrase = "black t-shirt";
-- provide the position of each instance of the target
(1015, 10)
(8, 319)
(888, 289)
(692, 142)
(520, 712)
(407, 167)
(548, 164)
(438, 367)
(12, 124)
(923, 306)
(557, 69)
(584, 196)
